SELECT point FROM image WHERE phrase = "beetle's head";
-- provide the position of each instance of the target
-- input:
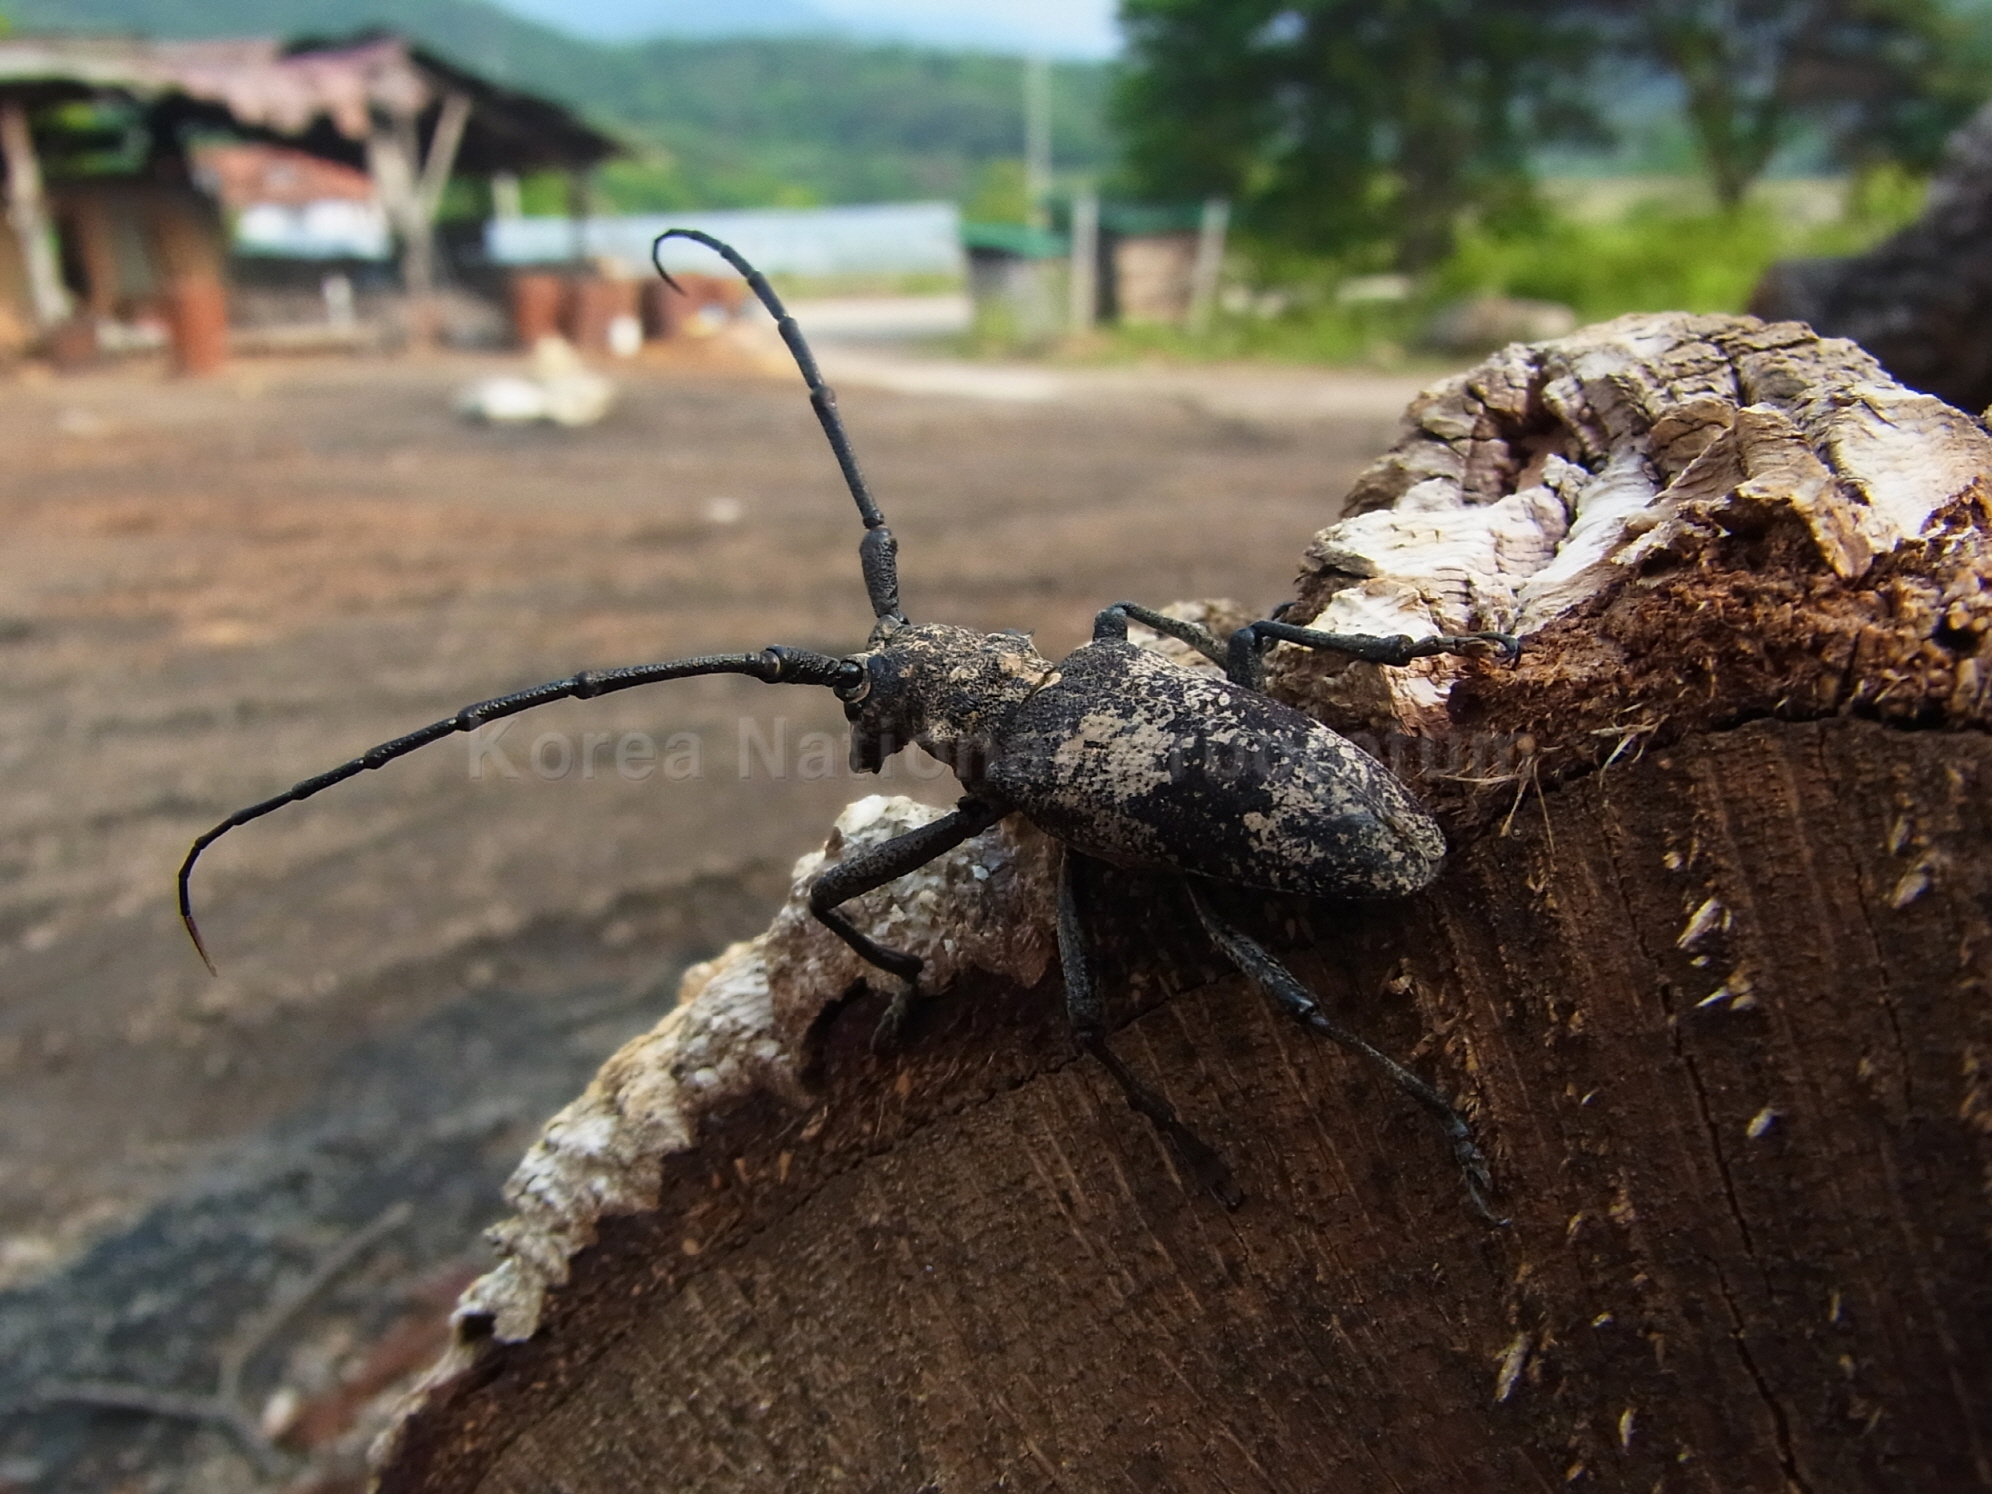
(944, 687)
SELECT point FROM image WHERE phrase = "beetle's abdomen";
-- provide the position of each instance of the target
(1136, 760)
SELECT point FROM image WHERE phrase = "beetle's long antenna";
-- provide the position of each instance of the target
(776, 666)
(878, 553)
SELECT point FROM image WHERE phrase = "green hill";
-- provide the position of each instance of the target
(717, 123)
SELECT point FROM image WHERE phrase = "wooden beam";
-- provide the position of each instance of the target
(27, 211)
(412, 194)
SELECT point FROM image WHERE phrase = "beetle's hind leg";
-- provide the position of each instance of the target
(1298, 1002)
(874, 867)
(1083, 1005)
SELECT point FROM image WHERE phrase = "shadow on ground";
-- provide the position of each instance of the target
(374, 1193)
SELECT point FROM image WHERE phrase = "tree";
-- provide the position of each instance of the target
(1885, 80)
(1350, 125)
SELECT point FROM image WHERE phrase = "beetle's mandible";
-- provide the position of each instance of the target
(1121, 755)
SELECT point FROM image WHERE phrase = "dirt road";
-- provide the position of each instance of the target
(212, 589)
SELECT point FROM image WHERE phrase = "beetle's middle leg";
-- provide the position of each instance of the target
(1083, 1005)
(1285, 988)
(875, 867)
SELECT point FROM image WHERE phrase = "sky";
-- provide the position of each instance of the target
(1056, 28)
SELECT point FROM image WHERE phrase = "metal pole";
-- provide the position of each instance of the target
(1037, 139)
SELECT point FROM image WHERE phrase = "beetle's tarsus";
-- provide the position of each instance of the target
(1284, 987)
(1196, 1158)
(885, 1036)
(877, 865)
(1475, 645)
(1246, 648)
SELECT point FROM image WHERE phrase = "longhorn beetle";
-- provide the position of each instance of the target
(1123, 756)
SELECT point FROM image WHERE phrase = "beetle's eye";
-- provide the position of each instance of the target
(871, 672)
(857, 683)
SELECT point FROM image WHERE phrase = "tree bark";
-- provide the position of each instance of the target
(1706, 969)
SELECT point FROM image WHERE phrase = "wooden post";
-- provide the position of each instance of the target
(1083, 284)
(412, 193)
(580, 208)
(1707, 971)
(27, 212)
(1208, 265)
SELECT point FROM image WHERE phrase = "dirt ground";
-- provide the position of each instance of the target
(213, 589)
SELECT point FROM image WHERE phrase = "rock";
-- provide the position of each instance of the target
(1483, 323)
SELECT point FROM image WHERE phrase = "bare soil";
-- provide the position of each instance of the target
(212, 589)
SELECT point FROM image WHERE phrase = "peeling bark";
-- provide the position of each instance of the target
(1707, 969)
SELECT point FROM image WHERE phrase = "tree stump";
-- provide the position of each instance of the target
(1707, 969)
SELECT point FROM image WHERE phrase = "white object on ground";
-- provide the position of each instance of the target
(562, 390)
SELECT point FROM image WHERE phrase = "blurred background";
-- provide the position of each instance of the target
(336, 391)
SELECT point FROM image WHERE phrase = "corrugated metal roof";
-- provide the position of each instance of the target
(307, 95)
(252, 79)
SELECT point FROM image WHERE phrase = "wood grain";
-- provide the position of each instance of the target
(1749, 1234)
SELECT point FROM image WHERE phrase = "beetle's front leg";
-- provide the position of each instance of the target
(1244, 654)
(873, 868)
(1088, 1014)
(1298, 1002)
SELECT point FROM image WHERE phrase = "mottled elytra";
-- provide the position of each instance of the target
(1123, 756)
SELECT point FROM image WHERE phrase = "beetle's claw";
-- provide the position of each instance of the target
(1207, 1169)
(1506, 646)
(1479, 1181)
(885, 1037)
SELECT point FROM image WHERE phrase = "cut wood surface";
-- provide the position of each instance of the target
(1706, 970)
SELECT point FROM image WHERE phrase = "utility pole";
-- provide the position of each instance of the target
(1083, 283)
(1037, 140)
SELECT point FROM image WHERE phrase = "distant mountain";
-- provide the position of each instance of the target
(481, 35)
(646, 20)
(1074, 33)
(734, 122)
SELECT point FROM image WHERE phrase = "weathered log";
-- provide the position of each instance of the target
(1707, 969)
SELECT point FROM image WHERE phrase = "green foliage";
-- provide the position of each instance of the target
(1874, 80)
(1655, 260)
(1350, 127)
(1658, 256)
(849, 123)
(90, 137)
(1370, 130)
(999, 195)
